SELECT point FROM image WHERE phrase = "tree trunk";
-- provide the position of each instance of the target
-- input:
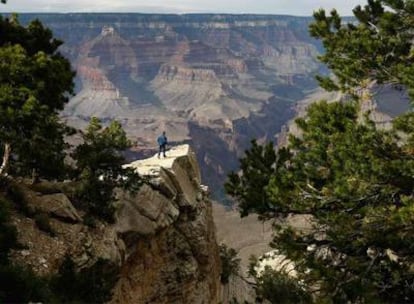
(6, 157)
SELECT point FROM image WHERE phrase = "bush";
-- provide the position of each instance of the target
(230, 264)
(97, 198)
(17, 284)
(278, 287)
(42, 221)
(90, 285)
(99, 163)
(90, 221)
(15, 194)
(20, 285)
(8, 233)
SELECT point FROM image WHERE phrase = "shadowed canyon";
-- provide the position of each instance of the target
(214, 81)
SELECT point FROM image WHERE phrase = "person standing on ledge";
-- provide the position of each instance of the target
(162, 142)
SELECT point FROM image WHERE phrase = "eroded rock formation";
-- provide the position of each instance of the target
(163, 240)
(168, 228)
(230, 77)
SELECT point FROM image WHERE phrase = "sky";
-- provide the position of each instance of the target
(285, 7)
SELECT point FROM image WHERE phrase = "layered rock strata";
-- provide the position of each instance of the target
(230, 77)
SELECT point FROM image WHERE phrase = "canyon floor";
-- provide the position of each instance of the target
(247, 235)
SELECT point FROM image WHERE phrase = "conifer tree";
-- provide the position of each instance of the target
(354, 181)
(35, 83)
(99, 163)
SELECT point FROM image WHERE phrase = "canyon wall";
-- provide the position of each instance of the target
(215, 81)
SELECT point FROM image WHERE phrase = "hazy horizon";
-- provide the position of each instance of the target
(261, 7)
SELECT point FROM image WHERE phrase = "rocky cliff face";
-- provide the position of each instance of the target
(172, 255)
(163, 240)
(228, 78)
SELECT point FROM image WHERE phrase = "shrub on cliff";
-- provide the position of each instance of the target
(8, 233)
(99, 163)
(230, 263)
(279, 288)
(20, 284)
(90, 285)
(17, 284)
(354, 181)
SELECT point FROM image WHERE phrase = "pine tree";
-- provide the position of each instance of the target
(354, 181)
(377, 46)
(35, 83)
(99, 163)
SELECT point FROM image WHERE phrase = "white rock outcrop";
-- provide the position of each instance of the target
(169, 234)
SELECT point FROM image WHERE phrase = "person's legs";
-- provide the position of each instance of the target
(163, 150)
(159, 151)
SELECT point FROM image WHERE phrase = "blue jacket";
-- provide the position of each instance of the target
(162, 140)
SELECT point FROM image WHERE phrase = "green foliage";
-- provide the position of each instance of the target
(405, 124)
(42, 221)
(15, 194)
(100, 151)
(20, 285)
(97, 197)
(17, 284)
(8, 233)
(44, 155)
(90, 221)
(278, 288)
(230, 264)
(354, 181)
(90, 285)
(357, 183)
(35, 83)
(99, 162)
(377, 46)
(51, 75)
(248, 188)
